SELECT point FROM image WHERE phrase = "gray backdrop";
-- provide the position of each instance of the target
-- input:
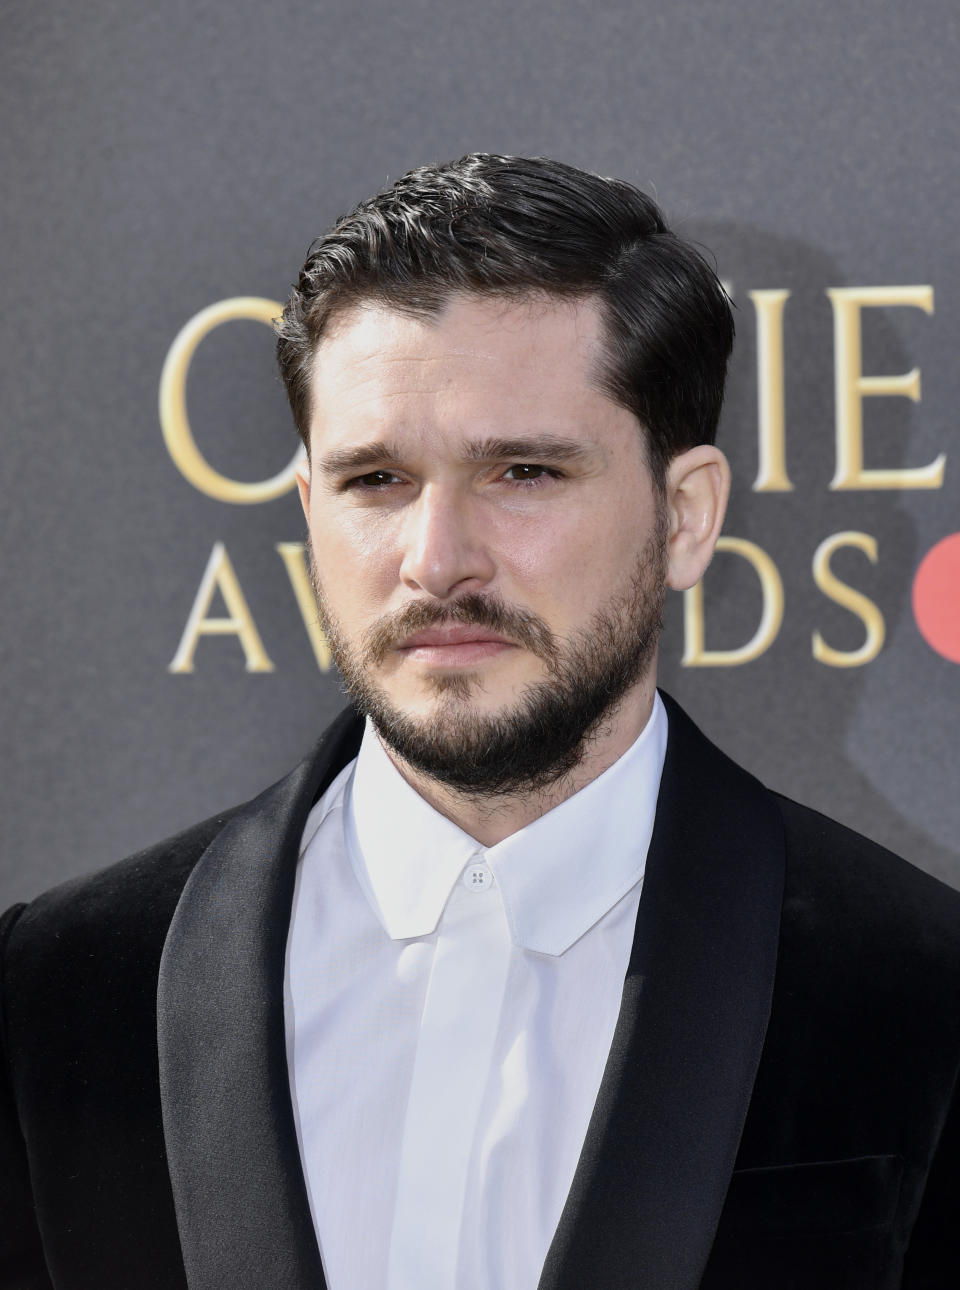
(158, 159)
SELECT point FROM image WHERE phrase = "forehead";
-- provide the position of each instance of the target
(481, 358)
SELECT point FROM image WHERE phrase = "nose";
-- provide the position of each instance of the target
(444, 551)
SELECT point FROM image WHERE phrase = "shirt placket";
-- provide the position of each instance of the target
(458, 1031)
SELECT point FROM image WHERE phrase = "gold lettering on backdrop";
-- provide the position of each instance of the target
(219, 576)
(771, 418)
(852, 387)
(855, 601)
(294, 558)
(695, 654)
(175, 423)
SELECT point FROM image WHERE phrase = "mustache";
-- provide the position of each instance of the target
(517, 625)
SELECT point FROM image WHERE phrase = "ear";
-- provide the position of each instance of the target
(698, 485)
(303, 487)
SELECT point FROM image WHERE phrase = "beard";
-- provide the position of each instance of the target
(544, 735)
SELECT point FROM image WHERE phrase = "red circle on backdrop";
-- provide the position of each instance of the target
(936, 597)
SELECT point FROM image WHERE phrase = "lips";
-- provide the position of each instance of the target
(453, 634)
(471, 628)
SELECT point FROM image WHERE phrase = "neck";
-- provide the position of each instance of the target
(491, 818)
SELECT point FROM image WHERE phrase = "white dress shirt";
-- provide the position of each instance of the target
(449, 1011)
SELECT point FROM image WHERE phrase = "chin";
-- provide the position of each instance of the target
(470, 691)
(495, 683)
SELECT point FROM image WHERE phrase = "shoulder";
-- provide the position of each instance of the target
(117, 915)
(80, 968)
(851, 908)
(863, 908)
(821, 849)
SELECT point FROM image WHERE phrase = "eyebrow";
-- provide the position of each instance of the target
(528, 448)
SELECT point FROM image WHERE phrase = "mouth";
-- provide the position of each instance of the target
(454, 645)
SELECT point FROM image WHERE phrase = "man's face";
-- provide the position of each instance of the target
(487, 541)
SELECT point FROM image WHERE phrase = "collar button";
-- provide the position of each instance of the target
(477, 877)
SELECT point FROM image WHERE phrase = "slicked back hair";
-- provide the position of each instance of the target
(516, 226)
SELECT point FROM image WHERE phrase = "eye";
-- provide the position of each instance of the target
(373, 479)
(528, 473)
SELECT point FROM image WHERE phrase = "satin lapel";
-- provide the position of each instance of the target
(656, 1163)
(242, 1208)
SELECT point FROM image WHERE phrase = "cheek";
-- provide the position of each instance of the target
(570, 556)
(356, 561)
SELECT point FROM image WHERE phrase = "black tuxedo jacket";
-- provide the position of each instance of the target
(775, 1113)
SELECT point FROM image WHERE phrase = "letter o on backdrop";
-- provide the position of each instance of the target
(175, 423)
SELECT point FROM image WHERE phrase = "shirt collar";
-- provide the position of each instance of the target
(557, 876)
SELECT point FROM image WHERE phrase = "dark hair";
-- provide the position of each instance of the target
(515, 225)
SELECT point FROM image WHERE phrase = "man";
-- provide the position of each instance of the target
(521, 983)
